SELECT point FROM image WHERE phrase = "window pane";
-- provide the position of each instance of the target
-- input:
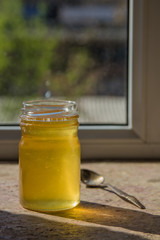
(65, 49)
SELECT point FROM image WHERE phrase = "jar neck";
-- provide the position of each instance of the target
(49, 111)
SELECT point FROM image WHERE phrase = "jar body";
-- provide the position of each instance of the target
(49, 165)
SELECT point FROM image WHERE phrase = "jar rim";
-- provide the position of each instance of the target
(49, 110)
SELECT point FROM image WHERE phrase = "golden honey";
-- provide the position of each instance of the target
(49, 156)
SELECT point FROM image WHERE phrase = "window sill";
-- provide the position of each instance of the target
(118, 219)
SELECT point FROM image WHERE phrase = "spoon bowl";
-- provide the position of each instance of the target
(91, 178)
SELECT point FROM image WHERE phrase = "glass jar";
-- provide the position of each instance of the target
(49, 155)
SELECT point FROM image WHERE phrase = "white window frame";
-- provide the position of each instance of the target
(141, 138)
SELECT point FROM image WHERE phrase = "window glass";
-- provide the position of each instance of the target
(67, 49)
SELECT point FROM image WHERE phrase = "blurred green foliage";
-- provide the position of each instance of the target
(25, 51)
(33, 59)
(77, 76)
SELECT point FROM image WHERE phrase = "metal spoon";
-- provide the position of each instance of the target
(93, 179)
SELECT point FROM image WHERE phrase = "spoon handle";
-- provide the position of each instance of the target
(124, 196)
(121, 194)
